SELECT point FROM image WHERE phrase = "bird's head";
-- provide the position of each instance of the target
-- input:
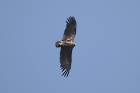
(74, 44)
(57, 44)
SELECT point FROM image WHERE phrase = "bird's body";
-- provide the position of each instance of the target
(67, 44)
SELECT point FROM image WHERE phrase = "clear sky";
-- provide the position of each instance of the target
(106, 58)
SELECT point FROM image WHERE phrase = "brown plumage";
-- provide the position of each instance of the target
(67, 44)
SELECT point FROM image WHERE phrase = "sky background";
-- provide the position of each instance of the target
(106, 58)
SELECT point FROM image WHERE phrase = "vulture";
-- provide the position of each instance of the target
(67, 44)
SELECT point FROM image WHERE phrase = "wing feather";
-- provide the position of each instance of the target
(66, 59)
(70, 30)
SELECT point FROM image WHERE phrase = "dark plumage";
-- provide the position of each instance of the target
(67, 44)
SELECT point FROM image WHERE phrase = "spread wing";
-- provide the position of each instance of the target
(66, 59)
(70, 30)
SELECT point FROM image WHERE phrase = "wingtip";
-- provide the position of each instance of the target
(65, 72)
(70, 20)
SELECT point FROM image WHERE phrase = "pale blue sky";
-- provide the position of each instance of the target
(105, 60)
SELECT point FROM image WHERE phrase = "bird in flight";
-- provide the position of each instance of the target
(67, 44)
